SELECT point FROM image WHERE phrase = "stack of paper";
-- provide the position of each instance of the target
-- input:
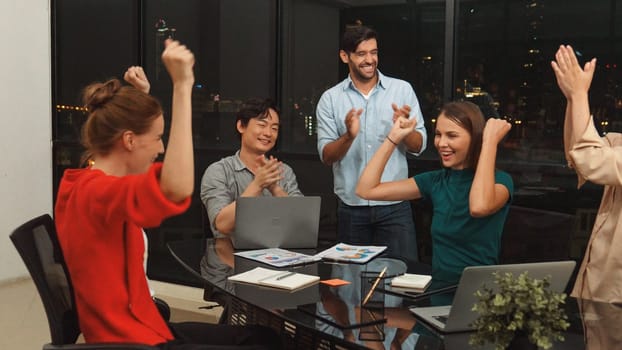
(274, 278)
(341, 252)
(411, 281)
(277, 257)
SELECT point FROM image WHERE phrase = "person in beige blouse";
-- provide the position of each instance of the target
(599, 160)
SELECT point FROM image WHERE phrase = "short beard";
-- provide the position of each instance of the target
(359, 76)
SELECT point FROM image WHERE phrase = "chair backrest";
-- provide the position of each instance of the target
(37, 243)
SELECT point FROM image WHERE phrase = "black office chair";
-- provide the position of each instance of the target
(37, 244)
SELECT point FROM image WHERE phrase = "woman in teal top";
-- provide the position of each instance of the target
(470, 197)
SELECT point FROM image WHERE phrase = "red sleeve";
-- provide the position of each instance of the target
(134, 198)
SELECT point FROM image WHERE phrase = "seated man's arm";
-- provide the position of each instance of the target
(224, 220)
(218, 200)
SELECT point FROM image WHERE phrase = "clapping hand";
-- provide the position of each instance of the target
(269, 172)
(353, 122)
(400, 112)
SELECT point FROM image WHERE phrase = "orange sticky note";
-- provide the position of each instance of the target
(335, 282)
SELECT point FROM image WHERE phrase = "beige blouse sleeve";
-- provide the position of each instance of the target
(595, 159)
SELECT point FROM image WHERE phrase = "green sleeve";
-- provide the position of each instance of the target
(503, 178)
(424, 183)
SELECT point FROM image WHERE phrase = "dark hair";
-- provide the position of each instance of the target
(255, 108)
(470, 117)
(354, 35)
(113, 109)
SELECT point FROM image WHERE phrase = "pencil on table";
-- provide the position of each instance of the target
(373, 287)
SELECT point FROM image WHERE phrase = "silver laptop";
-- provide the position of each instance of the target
(276, 222)
(458, 316)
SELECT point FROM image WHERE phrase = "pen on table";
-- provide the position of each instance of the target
(373, 287)
(285, 275)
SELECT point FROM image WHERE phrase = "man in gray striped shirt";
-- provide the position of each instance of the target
(247, 173)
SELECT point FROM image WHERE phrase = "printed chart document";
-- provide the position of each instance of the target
(277, 257)
(411, 281)
(342, 252)
(277, 279)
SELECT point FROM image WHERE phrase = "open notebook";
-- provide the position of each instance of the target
(276, 279)
(459, 316)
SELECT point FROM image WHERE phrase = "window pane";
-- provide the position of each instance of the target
(504, 50)
(234, 46)
(87, 47)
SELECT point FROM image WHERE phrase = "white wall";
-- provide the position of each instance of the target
(25, 122)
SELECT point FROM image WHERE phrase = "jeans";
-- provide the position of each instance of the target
(390, 225)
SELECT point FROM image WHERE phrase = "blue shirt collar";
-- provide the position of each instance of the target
(382, 82)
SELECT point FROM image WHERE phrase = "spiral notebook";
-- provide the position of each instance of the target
(286, 280)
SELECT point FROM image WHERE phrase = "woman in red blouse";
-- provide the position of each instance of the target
(101, 211)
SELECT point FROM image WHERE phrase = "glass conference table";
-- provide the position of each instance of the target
(326, 317)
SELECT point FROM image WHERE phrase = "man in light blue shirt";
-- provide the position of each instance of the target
(354, 118)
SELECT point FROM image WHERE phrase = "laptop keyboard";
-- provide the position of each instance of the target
(442, 319)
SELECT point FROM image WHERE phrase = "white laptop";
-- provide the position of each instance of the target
(458, 316)
(276, 222)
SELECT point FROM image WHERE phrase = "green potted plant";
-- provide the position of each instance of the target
(520, 309)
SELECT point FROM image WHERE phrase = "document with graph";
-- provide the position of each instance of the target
(277, 257)
(342, 252)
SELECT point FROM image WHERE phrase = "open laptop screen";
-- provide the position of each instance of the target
(276, 222)
(459, 316)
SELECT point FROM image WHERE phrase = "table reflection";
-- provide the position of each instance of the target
(339, 312)
(331, 310)
(218, 263)
(602, 323)
(336, 311)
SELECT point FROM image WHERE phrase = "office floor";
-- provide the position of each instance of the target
(23, 324)
(22, 321)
